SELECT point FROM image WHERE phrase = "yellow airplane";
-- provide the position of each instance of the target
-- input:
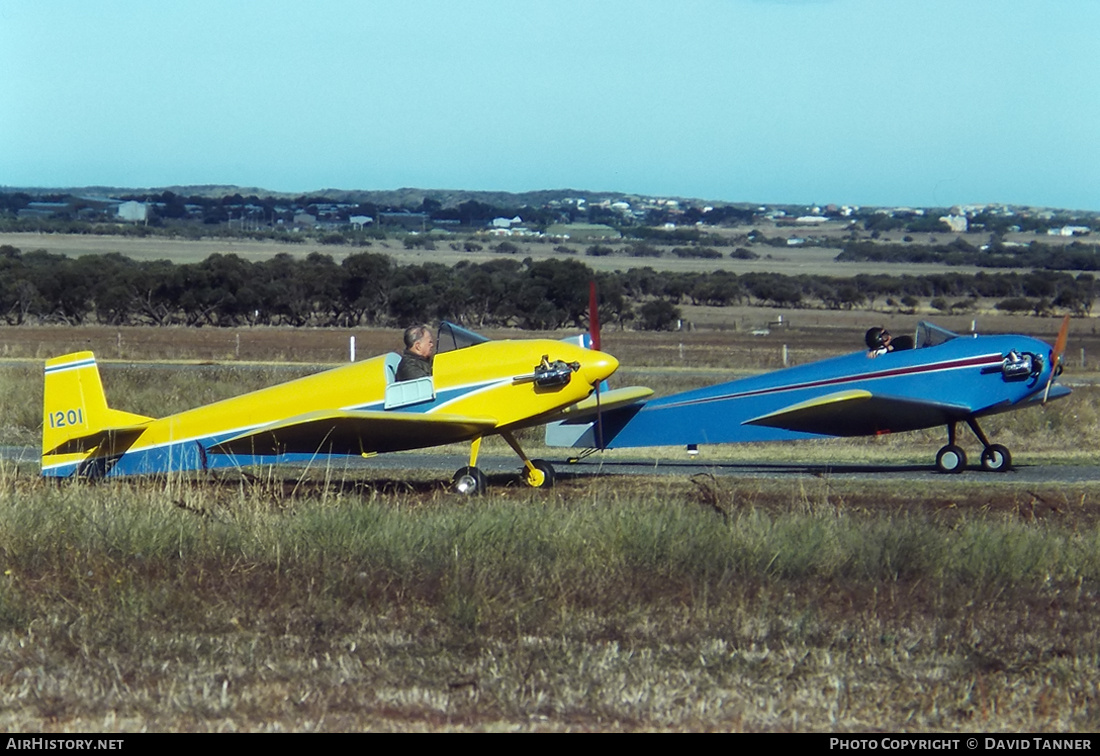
(478, 388)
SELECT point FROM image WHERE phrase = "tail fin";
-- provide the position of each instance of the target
(76, 422)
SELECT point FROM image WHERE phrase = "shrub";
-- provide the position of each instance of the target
(658, 315)
(1015, 305)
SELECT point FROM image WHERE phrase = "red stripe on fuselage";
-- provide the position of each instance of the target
(985, 360)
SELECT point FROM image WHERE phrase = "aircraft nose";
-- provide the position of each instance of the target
(597, 366)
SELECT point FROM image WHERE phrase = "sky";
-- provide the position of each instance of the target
(929, 103)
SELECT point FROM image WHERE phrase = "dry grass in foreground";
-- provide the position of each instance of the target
(272, 604)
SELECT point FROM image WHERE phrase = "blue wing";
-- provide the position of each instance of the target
(860, 413)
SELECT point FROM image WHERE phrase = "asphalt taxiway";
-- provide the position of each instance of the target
(496, 466)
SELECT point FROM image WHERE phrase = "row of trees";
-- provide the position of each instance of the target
(371, 289)
(1073, 256)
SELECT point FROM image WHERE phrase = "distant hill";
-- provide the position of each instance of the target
(403, 197)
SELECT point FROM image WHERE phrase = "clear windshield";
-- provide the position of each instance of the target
(452, 337)
(931, 335)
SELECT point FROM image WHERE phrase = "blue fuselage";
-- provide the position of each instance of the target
(952, 381)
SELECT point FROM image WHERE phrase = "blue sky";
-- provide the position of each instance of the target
(868, 102)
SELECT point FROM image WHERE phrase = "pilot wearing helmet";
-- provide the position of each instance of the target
(879, 342)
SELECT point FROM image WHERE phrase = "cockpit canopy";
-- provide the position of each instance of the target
(932, 335)
(452, 337)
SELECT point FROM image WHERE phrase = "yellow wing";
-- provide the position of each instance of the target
(355, 432)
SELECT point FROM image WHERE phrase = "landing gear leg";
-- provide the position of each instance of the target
(538, 473)
(469, 480)
(995, 458)
(952, 459)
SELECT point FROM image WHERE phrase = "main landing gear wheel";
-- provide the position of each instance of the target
(541, 477)
(469, 481)
(996, 458)
(951, 459)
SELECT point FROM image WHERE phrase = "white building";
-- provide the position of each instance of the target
(957, 223)
(137, 212)
(1069, 231)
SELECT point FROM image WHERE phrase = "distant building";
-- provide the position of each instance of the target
(358, 221)
(1069, 231)
(135, 212)
(44, 210)
(957, 223)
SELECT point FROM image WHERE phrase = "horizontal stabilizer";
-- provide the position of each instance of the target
(109, 438)
(860, 413)
(586, 409)
(354, 432)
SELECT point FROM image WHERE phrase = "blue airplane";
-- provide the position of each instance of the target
(945, 379)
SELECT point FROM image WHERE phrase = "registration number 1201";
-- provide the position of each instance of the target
(65, 418)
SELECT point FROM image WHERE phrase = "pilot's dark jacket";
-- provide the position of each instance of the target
(413, 366)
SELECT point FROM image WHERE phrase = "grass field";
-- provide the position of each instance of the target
(788, 261)
(282, 600)
(319, 605)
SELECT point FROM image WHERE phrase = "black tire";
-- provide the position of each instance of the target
(951, 459)
(544, 467)
(996, 458)
(469, 481)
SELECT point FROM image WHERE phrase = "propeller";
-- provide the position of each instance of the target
(1056, 354)
(593, 315)
(594, 341)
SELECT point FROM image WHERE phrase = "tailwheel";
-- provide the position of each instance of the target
(995, 458)
(951, 459)
(469, 481)
(539, 475)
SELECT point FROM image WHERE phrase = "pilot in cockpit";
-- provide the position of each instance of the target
(879, 342)
(416, 362)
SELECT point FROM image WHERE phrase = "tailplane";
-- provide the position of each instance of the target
(77, 425)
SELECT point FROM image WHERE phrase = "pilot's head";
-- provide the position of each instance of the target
(877, 338)
(419, 341)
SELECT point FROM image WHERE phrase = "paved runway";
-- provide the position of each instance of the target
(594, 465)
(1023, 473)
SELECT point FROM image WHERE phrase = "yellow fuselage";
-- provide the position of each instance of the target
(478, 381)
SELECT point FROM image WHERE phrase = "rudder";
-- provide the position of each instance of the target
(76, 420)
